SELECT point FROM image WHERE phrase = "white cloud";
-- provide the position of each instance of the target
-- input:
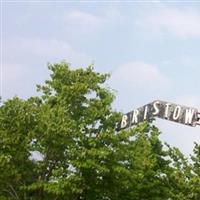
(26, 60)
(21, 79)
(179, 22)
(49, 49)
(140, 75)
(83, 19)
(89, 22)
(138, 83)
(189, 100)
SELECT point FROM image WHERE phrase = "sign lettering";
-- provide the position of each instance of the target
(164, 110)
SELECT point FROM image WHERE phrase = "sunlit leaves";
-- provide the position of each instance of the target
(71, 126)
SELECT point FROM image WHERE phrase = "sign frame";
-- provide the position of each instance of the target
(189, 116)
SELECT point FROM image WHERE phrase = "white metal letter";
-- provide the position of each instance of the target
(155, 105)
(189, 113)
(145, 112)
(124, 121)
(177, 112)
(167, 109)
(135, 116)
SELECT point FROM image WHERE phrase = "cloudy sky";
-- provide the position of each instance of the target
(151, 48)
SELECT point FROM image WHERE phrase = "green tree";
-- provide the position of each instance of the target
(179, 175)
(72, 126)
(195, 177)
(17, 121)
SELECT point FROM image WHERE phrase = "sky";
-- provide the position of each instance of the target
(151, 49)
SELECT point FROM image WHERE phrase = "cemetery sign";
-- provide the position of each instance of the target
(161, 109)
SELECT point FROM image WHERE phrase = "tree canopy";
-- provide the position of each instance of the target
(63, 145)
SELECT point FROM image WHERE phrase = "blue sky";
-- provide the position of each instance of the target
(151, 49)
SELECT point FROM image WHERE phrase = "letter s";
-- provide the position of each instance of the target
(155, 106)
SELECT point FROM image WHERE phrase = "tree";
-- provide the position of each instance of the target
(195, 177)
(72, 125)
(17, 122)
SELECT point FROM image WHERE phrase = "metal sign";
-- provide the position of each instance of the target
(164, 110)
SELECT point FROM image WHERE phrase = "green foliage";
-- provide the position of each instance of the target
(72, 127)
(195, 177)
